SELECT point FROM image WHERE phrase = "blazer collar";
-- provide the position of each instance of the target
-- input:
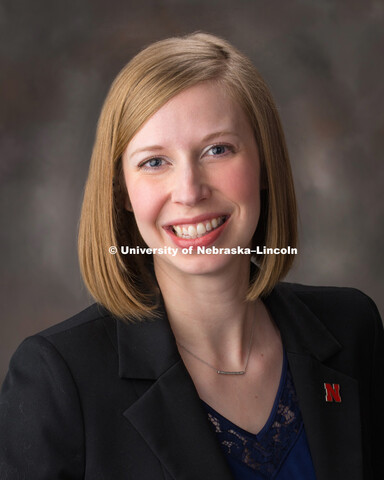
(147, 348)
(302, 332)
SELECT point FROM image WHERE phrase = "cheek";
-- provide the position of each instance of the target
(145, 199)
(241, 183)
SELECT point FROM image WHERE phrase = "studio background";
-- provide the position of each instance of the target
(323, 63)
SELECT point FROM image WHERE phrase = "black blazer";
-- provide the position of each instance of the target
(92, 398)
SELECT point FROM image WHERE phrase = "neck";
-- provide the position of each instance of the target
(208, 313)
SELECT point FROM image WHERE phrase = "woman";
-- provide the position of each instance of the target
(195, 363)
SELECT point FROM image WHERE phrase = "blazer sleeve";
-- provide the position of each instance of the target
(377, 395)
(41, 425)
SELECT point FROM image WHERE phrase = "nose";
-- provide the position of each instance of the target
(189, 185)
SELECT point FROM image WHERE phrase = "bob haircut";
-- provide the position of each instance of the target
(125, 284)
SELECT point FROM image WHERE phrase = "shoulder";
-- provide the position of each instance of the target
(90, 317)
(330, 301)
(334, 300)
(346, 312)
(74, 344)
(89, 323)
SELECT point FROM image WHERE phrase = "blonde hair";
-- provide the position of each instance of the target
(124, 283)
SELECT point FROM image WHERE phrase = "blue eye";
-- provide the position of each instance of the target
(217, 150)
(152, 163)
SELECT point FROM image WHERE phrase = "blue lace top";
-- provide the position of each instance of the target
(279, 451)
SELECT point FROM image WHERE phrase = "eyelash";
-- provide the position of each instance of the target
(144, 165)
(228, 147)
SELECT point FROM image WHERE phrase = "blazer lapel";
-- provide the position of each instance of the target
(168, 413)
(170, 418)
(332, 427)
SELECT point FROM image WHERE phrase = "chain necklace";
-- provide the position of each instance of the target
(225, 372)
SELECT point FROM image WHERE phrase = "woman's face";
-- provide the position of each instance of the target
(192, 176)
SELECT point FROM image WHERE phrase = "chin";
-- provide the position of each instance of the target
(200, 264)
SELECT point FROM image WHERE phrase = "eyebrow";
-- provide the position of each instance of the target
(219, 134)
(150, 148)
(210, 136)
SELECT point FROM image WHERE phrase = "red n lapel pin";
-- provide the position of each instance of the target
(332, 392)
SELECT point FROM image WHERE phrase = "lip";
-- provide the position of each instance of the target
(206, 240)
(197, 219)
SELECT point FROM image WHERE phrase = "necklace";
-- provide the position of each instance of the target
(225, 372)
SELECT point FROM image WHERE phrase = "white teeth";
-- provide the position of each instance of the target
(200, 229)
(193, 231)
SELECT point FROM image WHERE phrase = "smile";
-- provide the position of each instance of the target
(197, 230)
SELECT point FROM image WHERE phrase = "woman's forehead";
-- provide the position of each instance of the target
(195, 114)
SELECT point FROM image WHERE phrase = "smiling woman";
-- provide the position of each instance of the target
(197, 362)
(153, 99)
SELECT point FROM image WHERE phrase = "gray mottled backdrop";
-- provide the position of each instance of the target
(323, 61)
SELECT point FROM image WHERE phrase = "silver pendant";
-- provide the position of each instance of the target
(223, 372)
